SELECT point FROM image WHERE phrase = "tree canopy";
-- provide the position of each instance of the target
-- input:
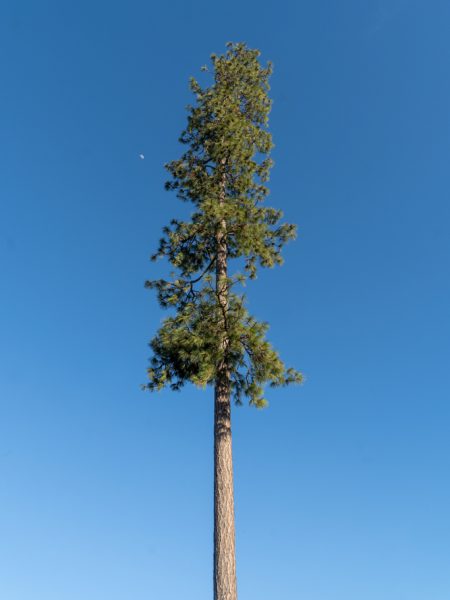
(223, 173)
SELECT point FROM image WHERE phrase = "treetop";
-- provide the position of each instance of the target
(223, 172)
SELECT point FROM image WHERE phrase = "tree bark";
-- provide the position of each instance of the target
(224, 530)
(224, 533)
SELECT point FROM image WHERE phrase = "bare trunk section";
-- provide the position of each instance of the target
(224, 533)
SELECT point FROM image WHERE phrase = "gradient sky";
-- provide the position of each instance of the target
(342, 485)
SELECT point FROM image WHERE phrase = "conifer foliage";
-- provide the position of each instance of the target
(223, 173)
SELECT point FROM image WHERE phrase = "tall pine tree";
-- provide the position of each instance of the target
(210, 337)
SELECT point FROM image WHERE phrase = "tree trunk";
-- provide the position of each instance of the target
(224, 535)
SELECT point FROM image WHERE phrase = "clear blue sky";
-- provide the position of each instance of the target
(342, 485)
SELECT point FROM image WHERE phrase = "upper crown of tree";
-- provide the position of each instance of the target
(223, 173)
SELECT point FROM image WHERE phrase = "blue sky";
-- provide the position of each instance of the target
(342, 488)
